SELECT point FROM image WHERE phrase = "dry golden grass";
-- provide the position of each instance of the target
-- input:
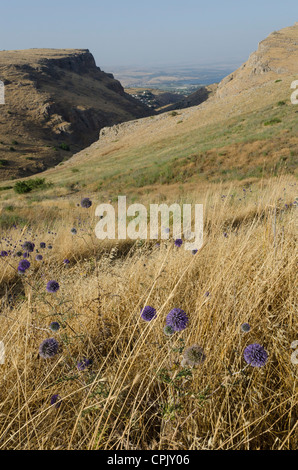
(136, 394)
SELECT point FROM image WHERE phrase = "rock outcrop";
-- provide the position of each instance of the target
(276, 56)
(55, 96)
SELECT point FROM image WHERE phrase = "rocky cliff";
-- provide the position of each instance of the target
(55, 100)
(276, 57)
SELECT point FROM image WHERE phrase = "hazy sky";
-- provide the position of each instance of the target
(135, 32)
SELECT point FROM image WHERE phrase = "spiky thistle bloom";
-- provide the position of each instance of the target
(52, 286)
(54, 326)
(28, 246)
(74, 231)
(177, 319)
(193, 355)
(168, 330)
(23, 265)
(86, 203)
(38, 257)
(55, 400)
(66, 261)
(48, 348)
(245, 327)
(148, 313)
(42, 245)
(82, 365)
(255, 355)
(3, 253)
(178, 242)
(194, 252)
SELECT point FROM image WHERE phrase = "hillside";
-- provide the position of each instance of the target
(194, 99)
(55, 97)
(244, 132)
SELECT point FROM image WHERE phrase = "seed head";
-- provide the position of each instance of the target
(193, 355)
(48, 348)
(86, 203)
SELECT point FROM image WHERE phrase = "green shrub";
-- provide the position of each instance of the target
(272, 121)
(64, 146)
(10, 208)
(22, 187)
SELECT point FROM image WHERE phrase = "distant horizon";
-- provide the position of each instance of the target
(159, 65)
(135, 34)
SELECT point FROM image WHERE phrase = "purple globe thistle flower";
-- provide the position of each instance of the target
(82, 365)
(178, 242)
(23, 265)
(86, 203)
(3, 253)
(193, 356)
(42, 245)
(54, 326)
(26, 255)
(38, 257)
(177, 319)
(245, 327)
(66, 261)
(194, 252)
(74, 231)
(19, 253)
(148, 313)
(48, 348)
(55, 401)
(50, 247)
(255, 355)
(52, 286)
(28, 246)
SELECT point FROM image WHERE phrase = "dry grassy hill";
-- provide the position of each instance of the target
(55, 97)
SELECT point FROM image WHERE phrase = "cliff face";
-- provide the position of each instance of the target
(276, 56)
(55, 97)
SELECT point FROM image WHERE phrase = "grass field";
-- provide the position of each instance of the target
(136, 394)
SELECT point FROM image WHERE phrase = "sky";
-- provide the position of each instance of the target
(138, 33)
